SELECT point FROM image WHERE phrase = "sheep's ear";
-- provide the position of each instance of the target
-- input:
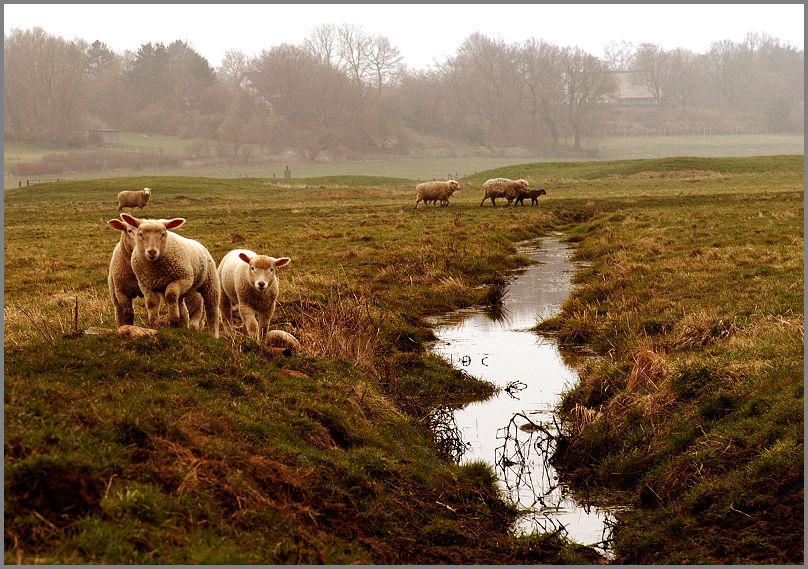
(133, 221)
(244, 257)
(117, 224)
(282, 261)
(174, 223)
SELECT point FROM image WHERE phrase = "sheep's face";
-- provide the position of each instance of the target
(147, 191)
(151, 236)
(128, 232)
(262, 270)
(523, 184)
(453, 186)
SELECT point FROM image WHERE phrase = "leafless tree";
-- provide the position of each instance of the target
(729, 66)
(618, 55)
(384, 62)
(235, 64)
(323, 43)
(586, 83)
(538, 66)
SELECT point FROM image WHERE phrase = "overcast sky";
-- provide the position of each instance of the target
(424, 33)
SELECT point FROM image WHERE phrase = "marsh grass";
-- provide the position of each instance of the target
(179, 448)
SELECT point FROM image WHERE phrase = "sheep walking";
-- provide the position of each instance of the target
(250, 282)
(133, 199)
(503, 188)
(435, 191)
(532, 194)
(124, 288)
(175, 266)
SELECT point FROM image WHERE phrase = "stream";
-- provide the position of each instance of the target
(531, 374)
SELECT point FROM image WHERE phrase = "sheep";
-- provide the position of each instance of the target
(175, 266)
(133, 199)
(503, 188)
(434, 191)
(123, 285)
(532, 194)
(248, 280)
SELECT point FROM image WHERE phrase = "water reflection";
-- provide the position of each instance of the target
(498, 346)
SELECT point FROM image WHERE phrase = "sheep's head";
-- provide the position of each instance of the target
(454, 185)
(262, 269)
(151, 235)
(542, 192)
(127, 230)
(523, 183)
(147, 191)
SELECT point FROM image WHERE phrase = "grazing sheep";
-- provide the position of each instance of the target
(175, 266)
(503, 188)
(532, 194)
(249, 281)
(433, 191)
(123, 287)
(133, 199)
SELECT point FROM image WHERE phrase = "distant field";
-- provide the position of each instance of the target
(409, 167)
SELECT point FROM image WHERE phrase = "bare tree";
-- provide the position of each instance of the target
(538, 66)
(652, 71)
(323, 43)
(354, 45)
(235, 64)
(618, 55)
(384, 62)
(586, 83)
(729, 67)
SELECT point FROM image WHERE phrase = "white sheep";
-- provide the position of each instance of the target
(503, 188)
(434, 191)
(123, 286)
(133, 199)
(175, 266)
(250, 282)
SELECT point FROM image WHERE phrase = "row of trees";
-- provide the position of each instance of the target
(344, 91)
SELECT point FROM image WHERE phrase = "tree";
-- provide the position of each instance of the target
(538, 66)
(586, 82)
(234, 67)
(383, 61)
(323, 43)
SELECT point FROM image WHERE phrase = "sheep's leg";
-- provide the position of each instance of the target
(226, 309)
(264, 318)
(152, 307)
(124, 313)
(211, 295)
(173, 296)
(248, 316)
(193, 301)
(417, 201)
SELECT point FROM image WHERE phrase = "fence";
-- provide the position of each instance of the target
(684, 131)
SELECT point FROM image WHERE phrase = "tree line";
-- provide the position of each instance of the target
(344, 92)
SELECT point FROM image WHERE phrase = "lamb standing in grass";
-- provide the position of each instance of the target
(532, 194)
(250, 281)
(503, 188)
(133, 199)
(175, 266)
(434, 191)
(123, 287)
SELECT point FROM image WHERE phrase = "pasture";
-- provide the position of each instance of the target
(184, 449)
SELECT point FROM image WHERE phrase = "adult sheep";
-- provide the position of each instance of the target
(532, 194)
(123, 286)
(250, 282)
(133, 199)
(503, 188)
(175, 266)
(435, 191)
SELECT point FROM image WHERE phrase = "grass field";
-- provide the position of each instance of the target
(421, 167)
(186, 449)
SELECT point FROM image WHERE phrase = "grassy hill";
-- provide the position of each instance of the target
(181, 448)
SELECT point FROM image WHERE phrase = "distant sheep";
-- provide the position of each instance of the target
(123, 286)
(503, 188)
(532, 194)
(175, 266)
(133, 199)
(435, 191)
(250, 282)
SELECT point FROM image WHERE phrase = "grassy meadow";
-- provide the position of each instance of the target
(686, 325)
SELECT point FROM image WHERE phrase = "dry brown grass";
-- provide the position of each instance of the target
(649, 370)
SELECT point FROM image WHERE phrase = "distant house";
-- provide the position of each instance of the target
(629, 93)
(103, 136)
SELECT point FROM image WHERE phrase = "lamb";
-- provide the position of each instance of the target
(532, 194)
(434, 191)
(123, 286)
(133, 199)
(175, 266)
(249, 281)
(503, 188)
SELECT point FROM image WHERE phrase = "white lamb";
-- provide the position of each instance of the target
(250, 282)
(133, 199)
(175, 266)
(123, 287)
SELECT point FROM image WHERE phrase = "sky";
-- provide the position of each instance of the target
(423, 33)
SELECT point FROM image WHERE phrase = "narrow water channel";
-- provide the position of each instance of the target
(529, 369)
